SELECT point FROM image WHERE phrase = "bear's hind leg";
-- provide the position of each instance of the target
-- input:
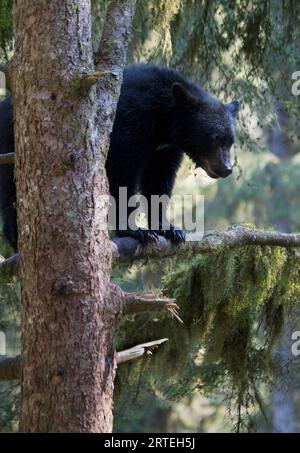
(158, 179)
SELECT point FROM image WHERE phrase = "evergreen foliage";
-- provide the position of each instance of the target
(233, 304)
(6, 29)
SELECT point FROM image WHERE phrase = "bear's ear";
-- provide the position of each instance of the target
(183, 97)
(234, 108)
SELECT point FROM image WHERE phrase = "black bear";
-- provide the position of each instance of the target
(160, 116)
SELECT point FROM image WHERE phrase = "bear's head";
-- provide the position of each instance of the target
(207, 129)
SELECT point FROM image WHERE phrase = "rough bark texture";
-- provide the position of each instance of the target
(69, 309)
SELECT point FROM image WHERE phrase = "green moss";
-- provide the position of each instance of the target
(6, 29)
(233, 304)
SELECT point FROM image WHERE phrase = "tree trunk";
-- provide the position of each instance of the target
(69, 309)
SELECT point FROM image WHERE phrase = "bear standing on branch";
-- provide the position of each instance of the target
(160, 116)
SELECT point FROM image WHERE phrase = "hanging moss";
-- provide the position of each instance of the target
(233, 304)
(151, 38)
(6, 29)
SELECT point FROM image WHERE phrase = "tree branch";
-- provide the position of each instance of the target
(111, 54)
(127, 249)
(88, 80)
(9, 266)
(137, 302)
(139, 351)
(7, 159)
(6, 69)
(110, 59)
(10, 368)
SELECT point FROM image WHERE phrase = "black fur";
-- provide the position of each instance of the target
(7, 185)
(160, 116)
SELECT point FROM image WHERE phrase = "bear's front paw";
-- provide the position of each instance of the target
(145, 237)
(174, 235)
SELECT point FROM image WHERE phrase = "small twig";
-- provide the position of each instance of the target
(139, 351)
(88, 80)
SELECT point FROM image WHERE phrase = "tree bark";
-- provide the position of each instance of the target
(69, 308)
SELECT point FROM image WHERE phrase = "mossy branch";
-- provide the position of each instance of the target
(7, 159)
(128, 249)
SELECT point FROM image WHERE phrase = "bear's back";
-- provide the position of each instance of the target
(149, 87)
(7, 186)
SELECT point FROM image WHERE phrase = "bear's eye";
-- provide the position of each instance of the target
(215, 138)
